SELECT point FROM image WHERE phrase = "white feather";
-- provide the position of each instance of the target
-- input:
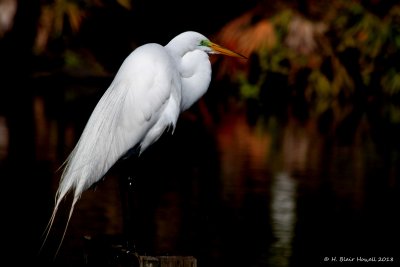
(137, 100)
(152, 87)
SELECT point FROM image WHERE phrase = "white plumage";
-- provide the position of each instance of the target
(152, 87)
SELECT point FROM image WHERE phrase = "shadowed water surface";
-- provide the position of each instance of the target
(274, 192)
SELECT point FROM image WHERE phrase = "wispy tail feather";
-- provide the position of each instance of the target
(60, 196)
(101, 144)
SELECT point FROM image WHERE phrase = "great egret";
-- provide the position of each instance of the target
(152, 87)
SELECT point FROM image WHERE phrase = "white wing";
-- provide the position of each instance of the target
(140, 103)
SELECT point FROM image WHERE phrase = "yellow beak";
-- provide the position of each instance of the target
(224, 51)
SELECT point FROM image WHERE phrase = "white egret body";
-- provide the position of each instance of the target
(152, 87)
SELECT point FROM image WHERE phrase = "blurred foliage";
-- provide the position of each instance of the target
(58, 27)
(56, 18)
(346, 54)
(325, 54)
(62, 17)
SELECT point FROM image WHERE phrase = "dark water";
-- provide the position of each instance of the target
(276, 192)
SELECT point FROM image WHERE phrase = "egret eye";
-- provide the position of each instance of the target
(204, 43)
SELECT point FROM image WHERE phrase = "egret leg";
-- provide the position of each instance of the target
(129, 203)
(129, 220)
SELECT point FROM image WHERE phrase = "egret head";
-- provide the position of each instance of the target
(189, 41)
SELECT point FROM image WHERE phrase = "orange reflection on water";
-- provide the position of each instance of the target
(4, 138)
(242, 149)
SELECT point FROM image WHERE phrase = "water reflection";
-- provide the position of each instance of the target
(244, 153)
(283, 219)
(271, 193)
(3, 138)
